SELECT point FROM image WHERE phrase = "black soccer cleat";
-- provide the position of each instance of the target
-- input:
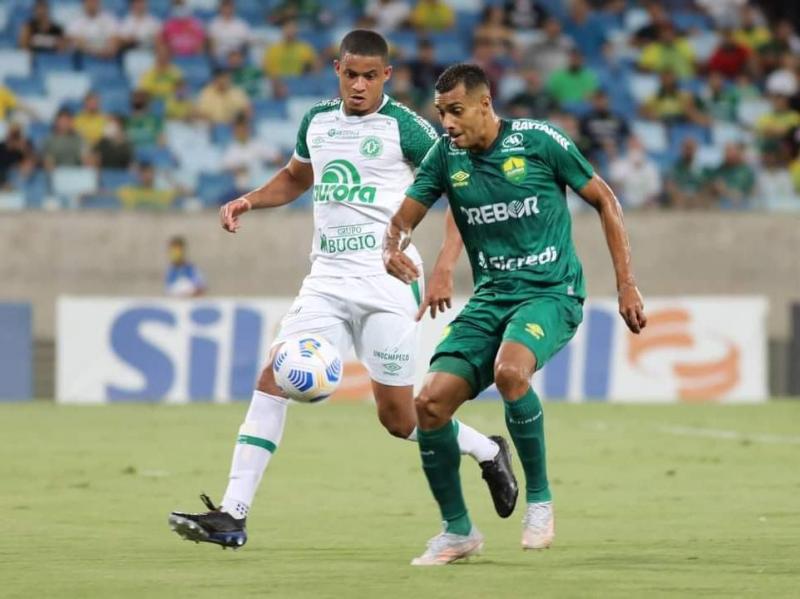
(213, 526)
(500, 478)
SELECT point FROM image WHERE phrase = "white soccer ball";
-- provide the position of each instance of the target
(308, 368)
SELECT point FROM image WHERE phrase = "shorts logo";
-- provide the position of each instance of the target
(512, 141)
(460, 179)
(447, 330)
(535, 330)
(341, 182)
(392, 368)
(371, 147)
(515, 168)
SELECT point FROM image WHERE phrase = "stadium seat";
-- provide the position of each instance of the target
(749, 111)
(115, 101)
(25, 85)
(12, 200)
(304, 85)
(113, 178)
(280, 133)
(73, 181)
(65, 12)
(252, 11)
(678, 132)
(703, 43)
(194, 68)
(404, 42)
(136, 63)
(37, 132)
(43, 107)
(221, 134)
(269, 109)
(15, 63)
(101, 201)
(319, 39)
(723, 133)
(652, 135)
(297, 107)
(181, 136)
(67, 84)
(684, 20)
(35, 188)
(635, 19)
(159, 156)
(215, 188)
(642, 86)
(46, 62)
(708, 156)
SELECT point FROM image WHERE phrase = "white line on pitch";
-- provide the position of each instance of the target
(714, 433)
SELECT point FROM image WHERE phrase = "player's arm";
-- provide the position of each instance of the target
(284, 187)
(599, 195)
(397, 238)
(439, 288)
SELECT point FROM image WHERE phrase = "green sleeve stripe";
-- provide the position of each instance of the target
(258, 442)
(415, 291)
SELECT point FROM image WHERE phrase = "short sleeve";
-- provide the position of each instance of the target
(416, 138)
(568, 163)
(429, 182)
(301, 146)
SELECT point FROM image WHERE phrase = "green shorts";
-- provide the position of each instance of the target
(543, 323)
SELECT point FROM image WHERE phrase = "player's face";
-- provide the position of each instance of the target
(463, 115)
(361, 80)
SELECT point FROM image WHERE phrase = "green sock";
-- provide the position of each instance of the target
(525, 422)
(441, 459)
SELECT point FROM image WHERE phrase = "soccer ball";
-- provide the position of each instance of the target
(308, 368)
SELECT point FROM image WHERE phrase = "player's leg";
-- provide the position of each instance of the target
(537, 330)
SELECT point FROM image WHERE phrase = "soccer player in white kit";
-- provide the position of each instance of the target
(359, 152)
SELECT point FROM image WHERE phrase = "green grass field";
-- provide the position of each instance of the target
(680, 501)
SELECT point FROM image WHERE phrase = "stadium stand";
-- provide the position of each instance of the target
(625, 45)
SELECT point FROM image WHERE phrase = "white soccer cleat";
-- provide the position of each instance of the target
(447, 547)
(538, 526)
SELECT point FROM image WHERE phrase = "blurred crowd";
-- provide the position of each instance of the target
(684, 104)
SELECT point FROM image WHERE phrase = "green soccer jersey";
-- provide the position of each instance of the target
(509, 204)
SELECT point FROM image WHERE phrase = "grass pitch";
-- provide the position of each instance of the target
(677, 501)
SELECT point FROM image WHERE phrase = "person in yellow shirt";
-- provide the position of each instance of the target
(289, 57)
(221, 101)
(751, 33)
(145, 194)
(8, 102)
(432, 15)
(91, 122)
(163, 78)
(669, 53)
(774, 127)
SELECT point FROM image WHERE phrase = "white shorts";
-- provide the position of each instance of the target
(374, 314)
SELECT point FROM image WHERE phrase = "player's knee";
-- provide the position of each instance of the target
(429, 408)
(397, 427)
(512, 380)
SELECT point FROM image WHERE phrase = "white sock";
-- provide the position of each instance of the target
(470, 442)
(259, 437)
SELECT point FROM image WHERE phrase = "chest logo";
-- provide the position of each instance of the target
(341, 182)
(515, 168)
(460, 179)
(371, 147)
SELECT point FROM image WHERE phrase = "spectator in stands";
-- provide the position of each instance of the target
(144, 193)
(388, 15)
(245, 75)
(524, 14)
(183, 279)
(775, 127)
(533, 102)
(180, 106)
(246, 156)
(484, 55)
(424, 68)
(576, 83)
(658, 16)
(730, 57)
(290, 56)
(227, 32)
(90, 122)
(402, 89)
(40, 33)
(783, 80)
(784, 40)
(752, 32)
(308, 12)
(9, 103)
(114, 150)
(733, 181)
(432, 15)
(139, 28)
(64, 147)
(669, 53)
(685, 181)
(719, 99)
(94, 32)
(636, 177)
(163, 77)
(586, 28)
(493, 27)
(220, 101)
(550, 52)
(142, 127)
(673, 104)
(794, 171)
(16, 152)
(183, 33)
(600, 126)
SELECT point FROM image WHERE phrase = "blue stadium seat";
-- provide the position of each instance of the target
(405, 42)
(269, 109)
(12, 200)
(221, 134)
(115, 101)
(14, 63)
(45, 62)
(305, 85)
(73, 181)
(113, 178)
(216, 188)
(25, 86)
(101, 201)
(136, 63)
(99, 66)
(35, 188)
(195, 68)
(317, 38)
(38, 131)
(159, 156)
(653, 135)
(678, 132)
(578, 109)
(685, 20)
(67, 84)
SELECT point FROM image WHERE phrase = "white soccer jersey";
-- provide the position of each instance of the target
(362, 168)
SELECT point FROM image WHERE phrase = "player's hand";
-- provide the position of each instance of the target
(230, 212)
(438, 295)
(400, 266)
(631, 308)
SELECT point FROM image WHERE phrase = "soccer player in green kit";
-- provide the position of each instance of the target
(505, 181)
